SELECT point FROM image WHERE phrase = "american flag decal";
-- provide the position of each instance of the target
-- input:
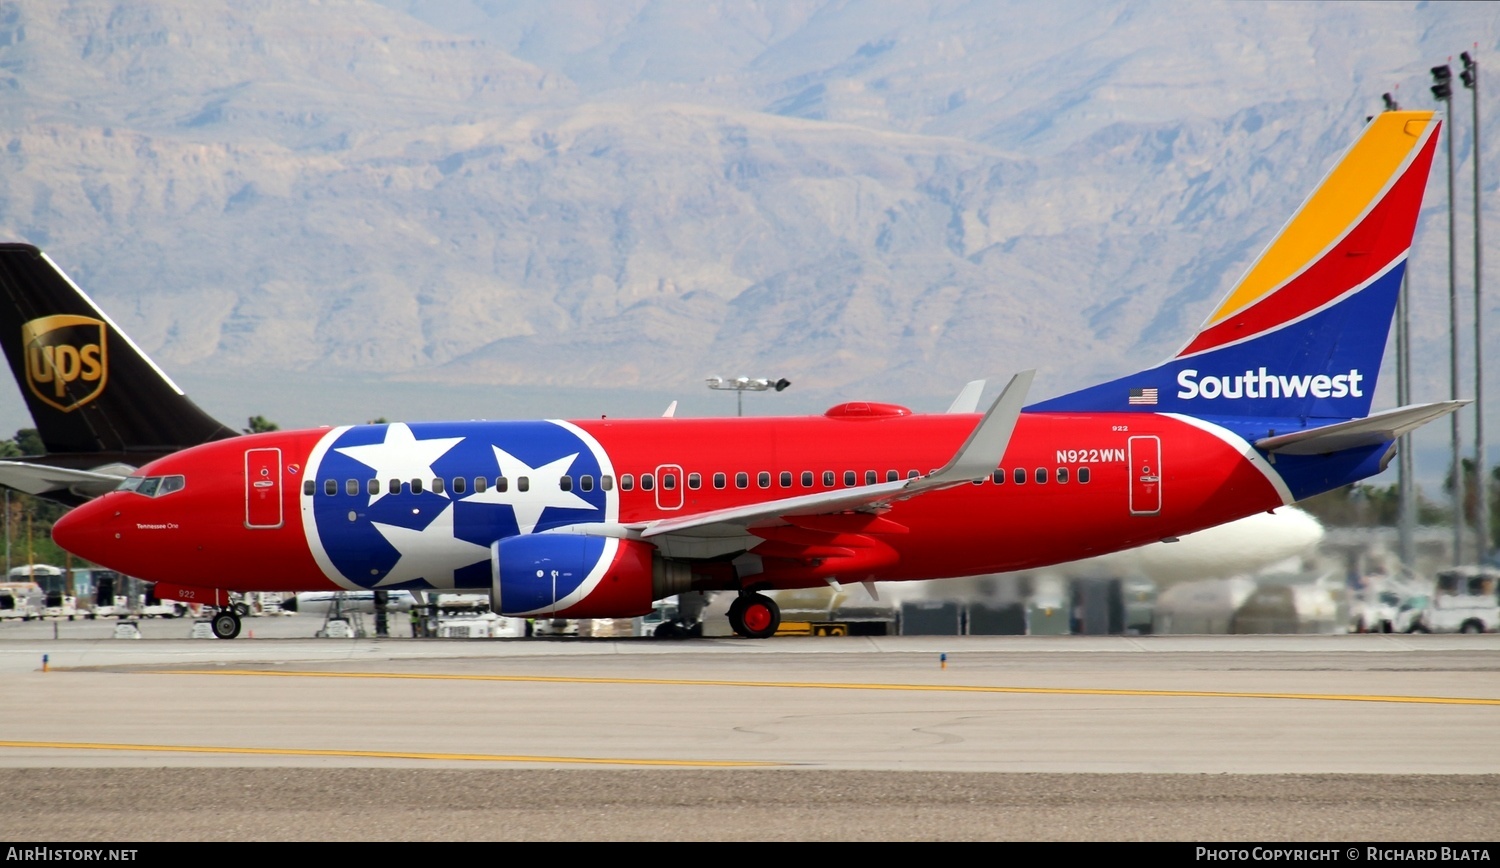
(1143, 396)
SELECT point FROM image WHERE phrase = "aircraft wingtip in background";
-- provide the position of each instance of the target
(1266, 404)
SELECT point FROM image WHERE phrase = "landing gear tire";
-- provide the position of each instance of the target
(754, 616)
(677, 630)
(226, 625)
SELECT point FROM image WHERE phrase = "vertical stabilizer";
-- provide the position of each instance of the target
(89, 388)
(1301, 336)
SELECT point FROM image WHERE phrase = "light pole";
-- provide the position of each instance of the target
(741, 385)
(1470, 76)
(1406, 517)
(1442, 90)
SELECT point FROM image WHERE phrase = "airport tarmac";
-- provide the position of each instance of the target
(286, 737)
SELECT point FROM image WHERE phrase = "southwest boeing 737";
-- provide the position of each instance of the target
(1267, 404)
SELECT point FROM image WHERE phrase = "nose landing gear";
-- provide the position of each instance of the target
(226, 624)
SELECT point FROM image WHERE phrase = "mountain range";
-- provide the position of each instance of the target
(338, 211)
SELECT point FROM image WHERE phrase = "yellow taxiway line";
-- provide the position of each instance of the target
(830, 685)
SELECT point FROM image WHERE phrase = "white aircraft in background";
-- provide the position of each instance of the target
(1240, 548)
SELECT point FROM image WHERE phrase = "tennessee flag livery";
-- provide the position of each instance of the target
(1268, 403)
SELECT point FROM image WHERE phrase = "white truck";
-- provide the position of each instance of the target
(1464, 601)
(20, 600)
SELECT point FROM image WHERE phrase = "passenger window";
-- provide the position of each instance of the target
(1062, 474)
(351, 487)
(565, 483)
(459, 483)
(523, 483)
(309, 487)
(1019, 475)
(828, 479)
(648, 482)
(416, 486)
(606, 483)
(330, 486)
(998, 477)
(627, 482)
(669, 481)
(851, 478)
(742, 480)
(586, 483)
(763, 479)
(372, 487)
(871, 477)
(892, 475)
(786, 479)
(394, 487)
(720, 480)
(502, 483)
(1041, 475)
(912, 474)
(480, 484)
(695, 481)
(807, 479)
(1083, 475)
(437, 485)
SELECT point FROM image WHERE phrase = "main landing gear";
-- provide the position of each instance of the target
(226, 623)
(678, 629)
(754, 616)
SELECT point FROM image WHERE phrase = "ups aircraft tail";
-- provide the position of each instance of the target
(100, 405)
(1297, 344)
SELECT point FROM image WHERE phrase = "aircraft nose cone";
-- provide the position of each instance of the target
(85, 530)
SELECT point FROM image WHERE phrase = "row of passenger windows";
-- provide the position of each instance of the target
(648, 481)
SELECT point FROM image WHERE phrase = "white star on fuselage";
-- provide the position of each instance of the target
(402, 456)
(543, 490)
(432, 553)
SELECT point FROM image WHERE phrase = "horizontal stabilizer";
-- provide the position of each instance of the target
(1373, 430)
(40, 479)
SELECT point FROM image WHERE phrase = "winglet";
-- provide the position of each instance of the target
(671, 410)
(968, 398)
(983, 451)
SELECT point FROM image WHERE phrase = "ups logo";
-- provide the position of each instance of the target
(62, 350)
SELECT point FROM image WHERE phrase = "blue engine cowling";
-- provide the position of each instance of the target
(577, 576)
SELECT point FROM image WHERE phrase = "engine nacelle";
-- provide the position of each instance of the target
(576, 576)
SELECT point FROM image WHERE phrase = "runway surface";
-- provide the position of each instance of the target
(284, 737)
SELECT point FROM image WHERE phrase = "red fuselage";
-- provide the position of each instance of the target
(255, 513)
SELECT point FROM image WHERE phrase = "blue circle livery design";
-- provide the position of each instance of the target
(388, 526)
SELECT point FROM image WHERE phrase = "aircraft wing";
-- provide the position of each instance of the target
(40, 479)
(1372, 430)
(709, 533)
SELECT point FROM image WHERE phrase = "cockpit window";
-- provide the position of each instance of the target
(153, 486)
